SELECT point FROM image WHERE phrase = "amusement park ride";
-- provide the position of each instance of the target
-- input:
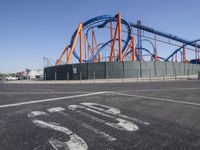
(111, 39)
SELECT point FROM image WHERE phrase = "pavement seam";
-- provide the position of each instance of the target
(157, 99)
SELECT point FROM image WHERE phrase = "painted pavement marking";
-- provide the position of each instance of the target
(152, 90)
(96, 131)
(75, 141)
(61, 109)
(121, 125)
(39, 93)
(51, 99)
(157, 99)
(113, 111)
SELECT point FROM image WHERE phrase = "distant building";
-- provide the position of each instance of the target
(36, 74)
(23, 75)
(30, 74)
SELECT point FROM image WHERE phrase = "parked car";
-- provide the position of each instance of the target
(10, 78)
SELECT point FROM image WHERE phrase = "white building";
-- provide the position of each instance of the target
(37, 73)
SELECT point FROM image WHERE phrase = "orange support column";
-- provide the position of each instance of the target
(85, 45)
(133, 49)
(111, 31)
(184, 55)
(93, 43)
(113, 44)
(119, 35)
(155, 50)
(60, 58)
(80, 36)
(75, 40)
(111, 38)
(66, 54)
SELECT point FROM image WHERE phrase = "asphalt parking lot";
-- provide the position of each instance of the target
(125, 116)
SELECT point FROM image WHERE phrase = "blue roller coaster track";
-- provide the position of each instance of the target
(102, 21)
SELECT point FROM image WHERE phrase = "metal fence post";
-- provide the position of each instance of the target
(55, 75)
(67, 76)
(198, 74)
(163, 75)
(122, 76)
(188, 73)
(94, 77)
(45, 76)
(80, 76)
(149, 75)
(175, 73)
(107, 76)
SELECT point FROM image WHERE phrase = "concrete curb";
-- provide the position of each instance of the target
(94, 81)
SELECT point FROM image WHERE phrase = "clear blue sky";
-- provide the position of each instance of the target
(31, 29)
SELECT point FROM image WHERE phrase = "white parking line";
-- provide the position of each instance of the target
(157, 99)
(51, 99)
(155, 90)
(39, 93)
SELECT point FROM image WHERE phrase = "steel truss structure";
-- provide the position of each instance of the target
(120, 44)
